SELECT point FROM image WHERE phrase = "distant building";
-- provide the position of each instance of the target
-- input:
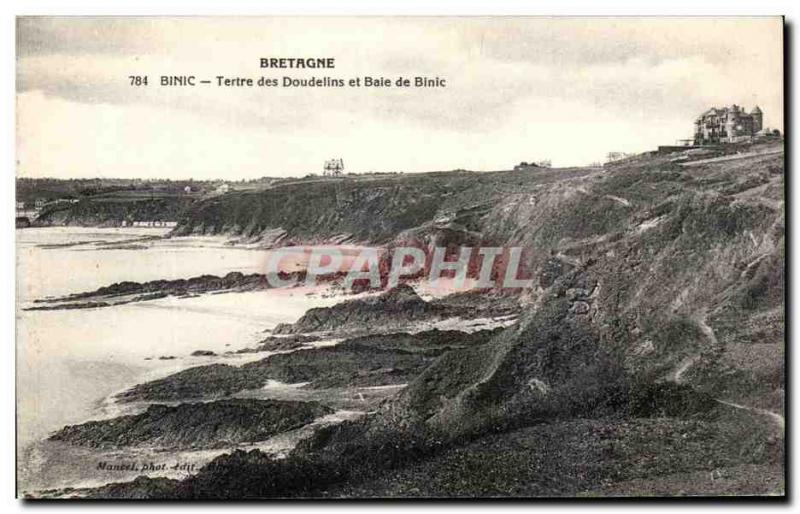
(222, 189)
(39, 203)
(727, 125)
(333, 168)
(187, 189)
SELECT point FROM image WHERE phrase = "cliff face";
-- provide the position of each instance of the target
(652, 269)
(660, 294)
(369, 210)
(115, 211)
(648, 274)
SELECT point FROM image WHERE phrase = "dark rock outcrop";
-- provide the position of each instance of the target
(128, 292)
(281, 344)
(195, 425)
(390, 310)
(373, 360)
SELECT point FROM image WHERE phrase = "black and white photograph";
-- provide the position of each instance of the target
(399, 257)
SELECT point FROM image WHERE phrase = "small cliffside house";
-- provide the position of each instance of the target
(333, 168)
(727, 125)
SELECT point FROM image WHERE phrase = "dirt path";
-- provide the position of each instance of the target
(687, 363)
(731, 157)
(708, 331)
(776, 418)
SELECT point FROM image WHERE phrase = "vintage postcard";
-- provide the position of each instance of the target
(400, 257)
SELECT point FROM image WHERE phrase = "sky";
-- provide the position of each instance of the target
(518, 89)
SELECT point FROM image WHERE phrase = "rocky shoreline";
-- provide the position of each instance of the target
(215, 424)
(221, 405)
(630, 367)
(367, 361)
(397, 309)
(129, 292)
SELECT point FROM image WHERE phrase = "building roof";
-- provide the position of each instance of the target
(720, 111)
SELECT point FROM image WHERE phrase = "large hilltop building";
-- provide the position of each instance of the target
(727, 125)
